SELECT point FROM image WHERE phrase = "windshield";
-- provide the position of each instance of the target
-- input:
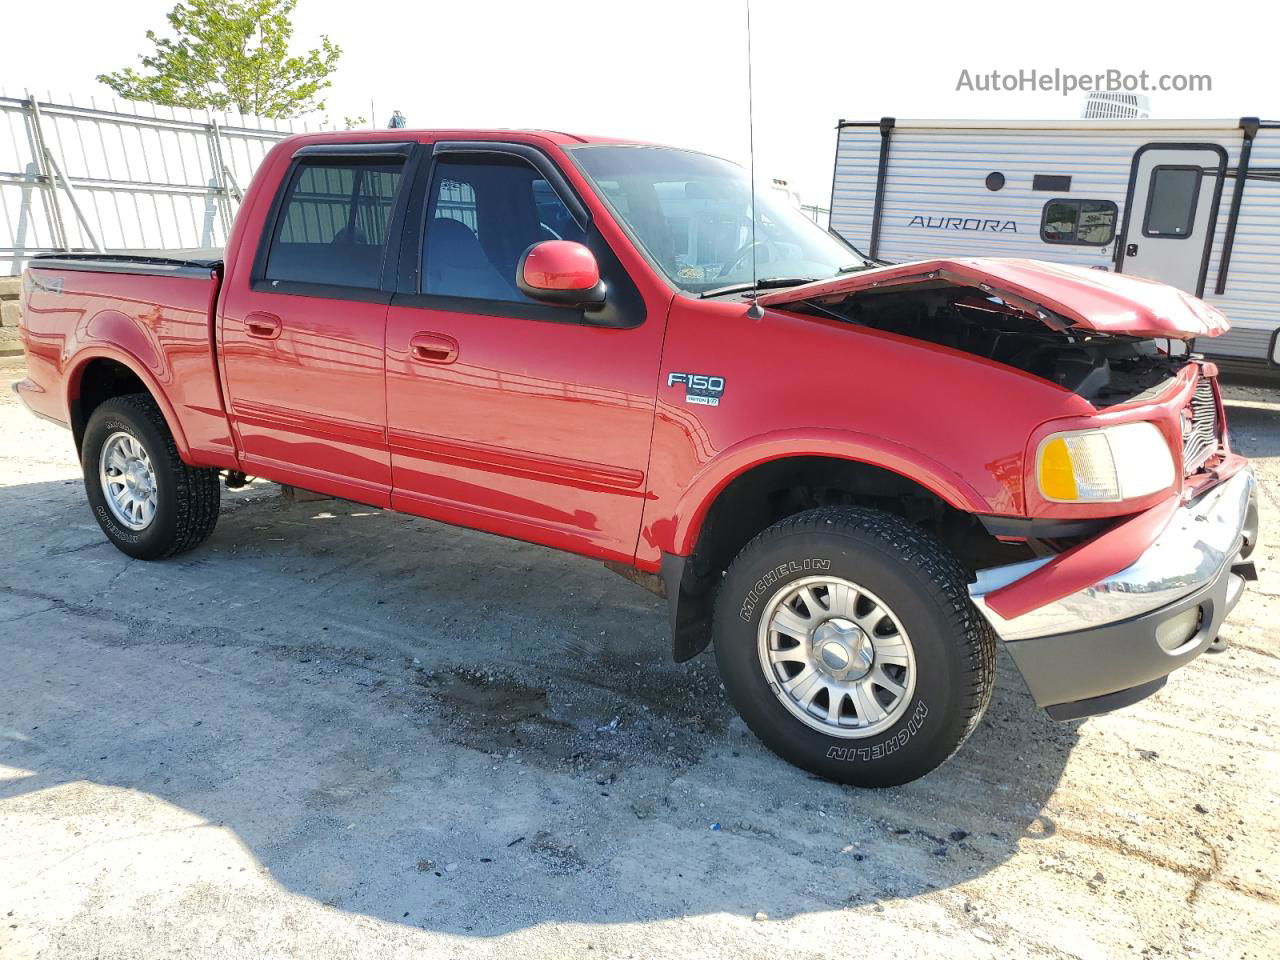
(692, 214)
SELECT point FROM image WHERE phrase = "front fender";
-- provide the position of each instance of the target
(693, 505)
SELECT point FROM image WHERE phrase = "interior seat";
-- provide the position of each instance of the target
(457, 266)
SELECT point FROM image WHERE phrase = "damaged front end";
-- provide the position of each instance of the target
(1139, 520)
(1113, 641)
(1102, 368)
(1111, 339)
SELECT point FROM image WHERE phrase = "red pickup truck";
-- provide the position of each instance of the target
(855, 477)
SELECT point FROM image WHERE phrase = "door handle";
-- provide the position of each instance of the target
(433, 348)
(1131, 250)
(264, 326)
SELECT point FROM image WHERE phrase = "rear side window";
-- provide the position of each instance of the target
(333, 224)
(483, 212)
(1171, 202)
(1081, 222)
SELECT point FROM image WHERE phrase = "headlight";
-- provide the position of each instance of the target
(1106, 464)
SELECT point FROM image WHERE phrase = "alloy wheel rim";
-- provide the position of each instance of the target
(837, 657)
(128, 480)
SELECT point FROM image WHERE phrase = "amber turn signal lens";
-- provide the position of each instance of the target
(1057, 479)
(1105, 464)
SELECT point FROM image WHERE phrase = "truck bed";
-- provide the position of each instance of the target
(94, 319)
(172, 262)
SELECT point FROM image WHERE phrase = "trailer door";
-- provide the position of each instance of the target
(1172, 209)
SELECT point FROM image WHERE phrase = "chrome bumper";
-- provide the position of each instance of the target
(1202, 539)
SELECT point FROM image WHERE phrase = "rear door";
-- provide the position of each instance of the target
(1174, 194)
(303, 337)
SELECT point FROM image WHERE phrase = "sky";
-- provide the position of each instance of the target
(675, 71)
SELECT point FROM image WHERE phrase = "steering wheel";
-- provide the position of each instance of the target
(745, 251)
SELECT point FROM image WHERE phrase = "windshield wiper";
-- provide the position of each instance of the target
(766, 283)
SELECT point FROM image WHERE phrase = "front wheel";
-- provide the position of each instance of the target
(146, 500)
(847, 641)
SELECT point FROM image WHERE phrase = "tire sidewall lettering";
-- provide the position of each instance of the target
(762, 589)
(894, 743)
(105, 518)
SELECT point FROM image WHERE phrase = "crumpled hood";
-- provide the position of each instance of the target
(1083, 297)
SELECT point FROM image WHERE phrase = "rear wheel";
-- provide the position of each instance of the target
(148, 502)
(847, 641)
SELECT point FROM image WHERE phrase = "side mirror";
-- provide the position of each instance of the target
(561, 272)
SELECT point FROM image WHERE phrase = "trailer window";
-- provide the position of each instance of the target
(332, 227)
(1082, 222)
(1171, 202)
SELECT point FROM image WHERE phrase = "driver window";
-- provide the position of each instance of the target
(483, 213)
(332, 227)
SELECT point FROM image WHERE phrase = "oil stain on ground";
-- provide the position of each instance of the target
(576, 721)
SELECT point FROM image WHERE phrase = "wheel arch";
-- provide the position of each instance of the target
(100, 372)
(758, 484)
(875, 452)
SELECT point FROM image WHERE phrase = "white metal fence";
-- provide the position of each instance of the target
(134, 177)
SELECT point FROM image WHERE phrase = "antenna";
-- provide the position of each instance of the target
(755, 311)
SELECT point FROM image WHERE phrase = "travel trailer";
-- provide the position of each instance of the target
(1193, 203)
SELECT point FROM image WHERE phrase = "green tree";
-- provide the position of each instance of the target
(227, 54)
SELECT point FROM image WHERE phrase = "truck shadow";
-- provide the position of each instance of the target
(454, 732)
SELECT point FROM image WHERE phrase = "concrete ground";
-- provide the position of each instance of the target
(336, 732)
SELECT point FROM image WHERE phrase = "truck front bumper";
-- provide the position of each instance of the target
(1115, 642)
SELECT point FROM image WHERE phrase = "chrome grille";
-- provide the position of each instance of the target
(1200, 426)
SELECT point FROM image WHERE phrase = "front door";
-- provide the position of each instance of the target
(303, 337)
(1174, 192)
(504, 414)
